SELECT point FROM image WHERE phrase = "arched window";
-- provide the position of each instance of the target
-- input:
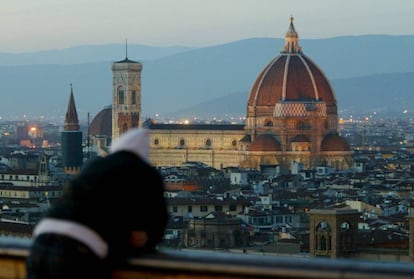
(121, 97)
(268, 123)
(208, 142)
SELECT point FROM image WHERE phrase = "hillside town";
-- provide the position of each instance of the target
(249, 210)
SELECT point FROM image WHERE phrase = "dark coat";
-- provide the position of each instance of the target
(115, 195)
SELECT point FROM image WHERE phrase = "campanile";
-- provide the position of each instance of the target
(126, 96)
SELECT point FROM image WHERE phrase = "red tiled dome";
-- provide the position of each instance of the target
(101, 124)
(334, 142)
(290, 77)
(265, 143)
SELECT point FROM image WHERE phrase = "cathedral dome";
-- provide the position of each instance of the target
(334, 142)
(291, 85)
(101, 124)
(265, 143)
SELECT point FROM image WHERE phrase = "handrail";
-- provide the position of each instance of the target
(170, 263)
(249, 265)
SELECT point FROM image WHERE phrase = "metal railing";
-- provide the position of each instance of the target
(168, 263)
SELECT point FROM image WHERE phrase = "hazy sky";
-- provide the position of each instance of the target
(31, 25)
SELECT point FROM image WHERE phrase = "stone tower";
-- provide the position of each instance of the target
(126, 96)
(72, 153)
(333, 232)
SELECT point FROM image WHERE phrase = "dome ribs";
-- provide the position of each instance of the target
(299, 84)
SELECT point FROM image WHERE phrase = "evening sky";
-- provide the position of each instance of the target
(27, 25)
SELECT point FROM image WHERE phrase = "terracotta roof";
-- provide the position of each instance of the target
(101, 124)
(334, 142)
(265, 143)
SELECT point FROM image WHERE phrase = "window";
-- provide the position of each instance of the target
(174, 209)
(121, 97)
(203, 208)
(134, 97)
(218, 208)
(303, 125)
(288, 219)
(232, 207)
(208, 142)
(190, 208)
(182, 142)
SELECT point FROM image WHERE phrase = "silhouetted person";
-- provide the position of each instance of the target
(113, 209)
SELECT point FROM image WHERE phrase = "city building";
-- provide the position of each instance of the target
(291, 116)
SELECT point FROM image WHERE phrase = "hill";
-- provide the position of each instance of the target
(367, 73)
(387, 95)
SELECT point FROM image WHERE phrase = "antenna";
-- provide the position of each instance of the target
(126, 48)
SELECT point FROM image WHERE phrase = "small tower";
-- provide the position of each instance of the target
(72, 153)
(126, 95)
(43, 169)
(291, 40)
(333, 232)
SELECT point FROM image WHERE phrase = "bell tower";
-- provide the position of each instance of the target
(126, 96)
(333, 232)
(72, 153)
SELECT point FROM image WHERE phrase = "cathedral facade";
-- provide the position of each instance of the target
(291, 116)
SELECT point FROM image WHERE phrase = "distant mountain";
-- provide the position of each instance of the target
(387, 94)
(367, 73)
(89, 54)
(384, 94)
